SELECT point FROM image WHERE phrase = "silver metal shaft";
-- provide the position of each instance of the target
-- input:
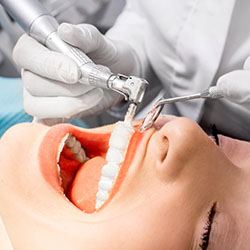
(130, 113)
(178, 99)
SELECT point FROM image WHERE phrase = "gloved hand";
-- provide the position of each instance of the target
(51, 88)
(235, 86)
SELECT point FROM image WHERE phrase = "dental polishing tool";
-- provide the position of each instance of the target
(36, 21)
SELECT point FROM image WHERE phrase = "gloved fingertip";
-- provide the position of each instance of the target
(221, 84)
(222, 79)
(247, 64)
(226, 84)
(65, 28)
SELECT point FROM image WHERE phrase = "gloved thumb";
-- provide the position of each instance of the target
(235, 86)
(247, 64)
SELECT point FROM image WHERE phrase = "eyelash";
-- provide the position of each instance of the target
(207, 228)
(215, 137)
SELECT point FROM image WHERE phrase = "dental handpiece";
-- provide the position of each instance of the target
(35, 20)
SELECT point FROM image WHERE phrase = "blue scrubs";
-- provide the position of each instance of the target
(11, 105)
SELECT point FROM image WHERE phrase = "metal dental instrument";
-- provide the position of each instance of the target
(39, 24)
(154, 113)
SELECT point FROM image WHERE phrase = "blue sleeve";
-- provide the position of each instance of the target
(11, 104)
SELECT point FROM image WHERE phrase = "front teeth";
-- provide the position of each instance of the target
(118, 144)
(108, 176)
(110, 170)
(105, 183)
(115, 155)
(102, 195)
(121, 132)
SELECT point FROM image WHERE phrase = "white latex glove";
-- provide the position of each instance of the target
(235, 86)
(51, 88)
(117, 55)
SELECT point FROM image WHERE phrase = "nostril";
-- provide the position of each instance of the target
(182, 130)
(164, 143)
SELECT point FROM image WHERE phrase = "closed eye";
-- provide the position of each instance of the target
(207, 228)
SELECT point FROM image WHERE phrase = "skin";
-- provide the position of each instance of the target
(175, 177)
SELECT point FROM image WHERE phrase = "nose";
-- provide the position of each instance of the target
(184, 135)
(187, 144)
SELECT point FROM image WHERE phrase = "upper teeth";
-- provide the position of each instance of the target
(70, 142)
(60, 149)
(118, 144)
(61, 145)
(81, 156)
(105, 183)
(75, 146)
(115, 155)
(110, 170)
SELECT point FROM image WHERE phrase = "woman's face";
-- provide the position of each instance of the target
(179, 192)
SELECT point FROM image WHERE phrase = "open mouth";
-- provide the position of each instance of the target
(83, 166)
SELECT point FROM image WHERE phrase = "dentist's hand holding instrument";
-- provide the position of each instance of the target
(235, 85)
(51, 79)
(60, 79)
